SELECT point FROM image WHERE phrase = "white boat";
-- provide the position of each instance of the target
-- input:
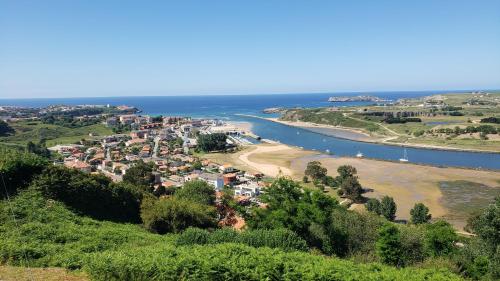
(298, 133)
(327, 151)
(405, 157)
(359, 154)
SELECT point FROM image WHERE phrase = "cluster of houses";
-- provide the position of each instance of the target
(169, 144)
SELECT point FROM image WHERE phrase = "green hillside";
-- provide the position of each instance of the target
(60, 218)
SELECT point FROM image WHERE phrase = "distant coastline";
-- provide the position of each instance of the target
(360, 136)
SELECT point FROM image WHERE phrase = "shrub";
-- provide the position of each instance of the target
(212, 142)
(439, 238)
(17, 170)
(197, 191)
(174, 215)
(192, 236)
(275, 238)
(389, 245)
(373, 205)
(91, 195)
(223, 235)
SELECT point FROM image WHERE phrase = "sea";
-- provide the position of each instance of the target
(232, 107)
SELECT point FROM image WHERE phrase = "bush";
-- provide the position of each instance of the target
(91, 195)
(197, 191)
(223, 235)
(389, 247)
(212, 142)
(373, 205)
(5, 129)
(174, 215)
(439, 238)
(276, 238)
(193, 236)
(412, 245)
(17, 170)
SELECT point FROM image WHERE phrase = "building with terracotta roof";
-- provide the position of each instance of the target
(79, 165)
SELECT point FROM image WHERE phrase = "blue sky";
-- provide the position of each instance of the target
(108, 48)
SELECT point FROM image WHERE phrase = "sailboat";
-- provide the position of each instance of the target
(359, 154)
(405, 157)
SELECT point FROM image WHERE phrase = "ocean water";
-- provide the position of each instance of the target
(228, 107)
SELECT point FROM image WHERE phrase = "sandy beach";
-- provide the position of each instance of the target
(406, 183)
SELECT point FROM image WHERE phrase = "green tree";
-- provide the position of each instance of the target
(212, 142)
(197, 191)
(373, 205)
(91, 195)
(420, 214)
(167, 215)
(439, 238)
(303, 211)
(487, 224)
(352, 188)
(40, 148)
(17, 170)
(389, 245)
(481, 257)
(388, 208)
(140, 174)
(5, 129)
(346, 171)
(315, 171)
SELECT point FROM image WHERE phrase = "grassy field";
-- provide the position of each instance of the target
(35, 130)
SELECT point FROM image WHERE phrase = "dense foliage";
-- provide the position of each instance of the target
(420, 214)
(168, 215)
(91, 195)
(212, 142)
(198, 191)
(49, 223)
(17, 169)
(239, 262)
(5, 129)
(141, 174)
(315, 171)
(273, 238)
(388, 208)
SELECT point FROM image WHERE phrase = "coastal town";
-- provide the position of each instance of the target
(167, 144)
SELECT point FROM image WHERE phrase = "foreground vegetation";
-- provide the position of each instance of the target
(63, 218)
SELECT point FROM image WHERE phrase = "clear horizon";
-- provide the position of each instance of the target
(451, 91)
(63, 49)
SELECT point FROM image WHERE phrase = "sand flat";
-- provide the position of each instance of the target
(406, 183)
